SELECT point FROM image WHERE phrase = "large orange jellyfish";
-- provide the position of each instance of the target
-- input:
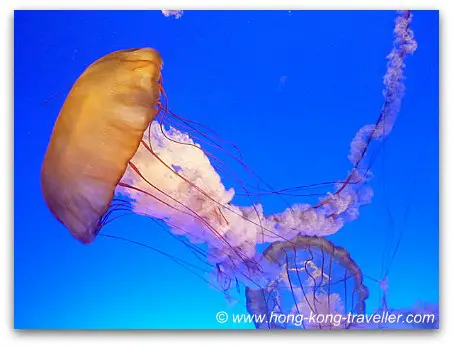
(97, 132)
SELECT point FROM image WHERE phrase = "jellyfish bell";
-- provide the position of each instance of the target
(98, 130)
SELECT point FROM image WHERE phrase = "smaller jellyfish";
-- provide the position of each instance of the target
(173, 13)
(317, 281)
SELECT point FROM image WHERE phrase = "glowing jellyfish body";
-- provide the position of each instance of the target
(97, 131)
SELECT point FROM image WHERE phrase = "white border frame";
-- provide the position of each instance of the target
(10, 337)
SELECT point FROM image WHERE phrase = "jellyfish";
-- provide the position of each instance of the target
(315, 280)
(96, 134)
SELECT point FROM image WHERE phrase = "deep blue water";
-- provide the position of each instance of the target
(290, 89)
